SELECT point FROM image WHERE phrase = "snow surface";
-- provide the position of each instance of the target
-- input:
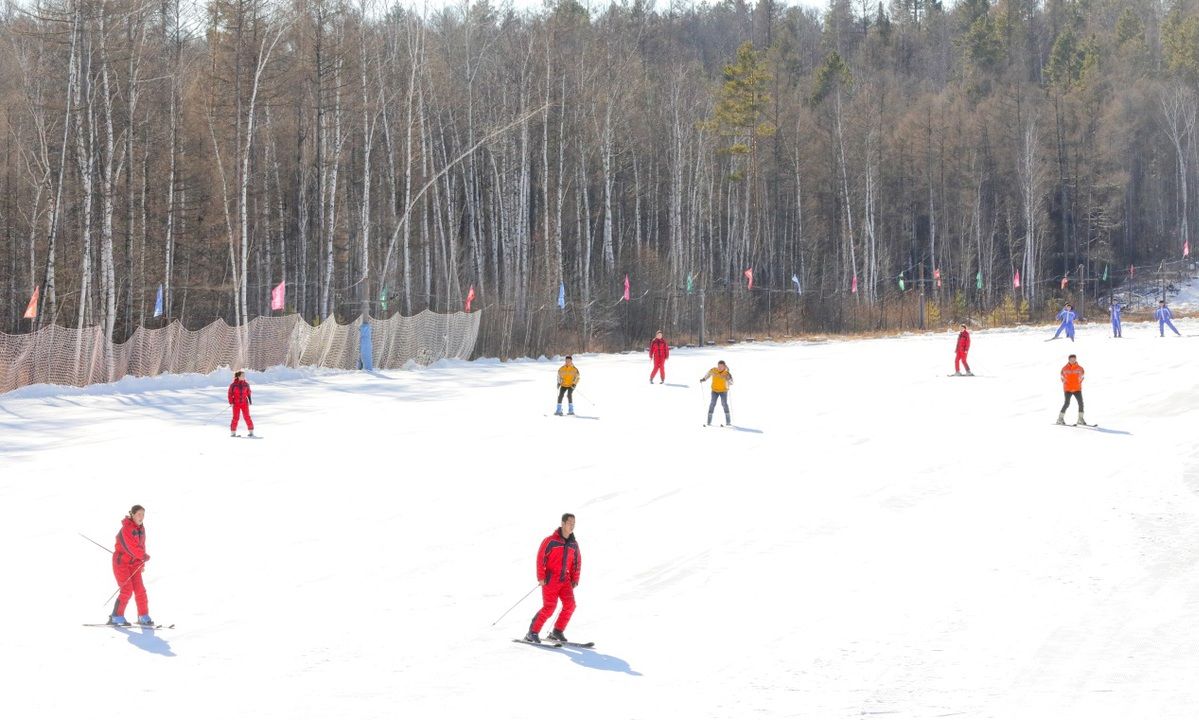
(880, 539)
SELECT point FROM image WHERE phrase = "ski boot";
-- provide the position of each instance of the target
(728, 422)
(557, 636)
(118, 620)
(144, 620)
(233, 433)
(559, 410)
(1081, 420)
(969, 374)
(570, 409)
(251, 434)
(531, 637)
(1061, 418)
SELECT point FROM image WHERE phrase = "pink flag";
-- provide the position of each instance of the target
(749, 275)
(1186, 249)
(853, 288)
(937, 276)
(31, 309)
(1132, 271)
(1016, 279)
(277, 296)
(626, 288)
(1065, 281)
(470, 295)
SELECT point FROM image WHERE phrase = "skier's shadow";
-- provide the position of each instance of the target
(147, 640)
(597, 661)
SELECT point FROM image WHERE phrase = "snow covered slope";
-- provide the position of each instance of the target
(878, 539)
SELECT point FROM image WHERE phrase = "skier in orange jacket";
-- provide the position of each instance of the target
(1072, 377)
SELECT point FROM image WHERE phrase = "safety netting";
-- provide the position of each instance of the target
(71, 356)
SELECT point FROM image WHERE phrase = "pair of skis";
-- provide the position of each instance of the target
(156, 626)
(555, 643)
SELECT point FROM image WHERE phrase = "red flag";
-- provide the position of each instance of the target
(1016, 279)
(470, 295)
(853, 288)
(626, 288)
(278, 295)
(1065, 281)
(937, 276)
(749, 275)
(31, 309)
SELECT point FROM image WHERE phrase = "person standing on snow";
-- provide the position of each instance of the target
(128, 560)
(568, 380)
(721, 380)
(1067, 316)
(1072, 377)
(1115, 308)
(963, 347)
(658, 352)
(558, 566)
(1163, 315)
(240, 400)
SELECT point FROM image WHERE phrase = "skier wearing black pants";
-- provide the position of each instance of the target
(1072, 377)
(721, 380)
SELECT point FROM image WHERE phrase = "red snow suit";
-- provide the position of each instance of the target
(128, 559)
(959, 357)
(658, 352)
(239, 398)
(558, 565)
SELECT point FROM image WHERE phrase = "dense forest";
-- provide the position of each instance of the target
(856, 167)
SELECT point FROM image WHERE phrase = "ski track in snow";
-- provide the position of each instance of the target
(893, 542)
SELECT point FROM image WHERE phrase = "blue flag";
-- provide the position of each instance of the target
(562, 295)
(158, 302)
(795, 279)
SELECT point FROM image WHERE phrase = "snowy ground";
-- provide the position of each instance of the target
(880, 539)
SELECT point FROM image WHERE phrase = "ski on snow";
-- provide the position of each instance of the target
(552, 643)
(158, 626)
(1081, 425)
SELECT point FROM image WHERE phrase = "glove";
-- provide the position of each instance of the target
(146, 559)
(573, 585)
(250, 401)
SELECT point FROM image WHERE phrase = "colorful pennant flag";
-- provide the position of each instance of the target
(1105, 272)
(901, 286)
(853, 286)
(470, 295)
(749, 275)
(978, 280)
(158, 302)
(31, 308)
(383, 299)
(278, 295)
(937, 276)
(626, 288)
(1065, 280)
(1016, 279)
(1186, 248)
(1132, 271)
(562, 296)
(795, 279)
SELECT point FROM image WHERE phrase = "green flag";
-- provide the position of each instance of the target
(901, 287)
(978, 280)
(688, 283)
(1105, 272)
(383, 299)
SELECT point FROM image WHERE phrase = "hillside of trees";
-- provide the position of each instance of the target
(874, 165)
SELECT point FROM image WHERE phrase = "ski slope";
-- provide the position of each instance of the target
(878, 539)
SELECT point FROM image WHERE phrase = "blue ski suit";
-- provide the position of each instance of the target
(1067, 317)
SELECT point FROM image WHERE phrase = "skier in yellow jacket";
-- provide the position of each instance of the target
(721, 379)
(568, 380)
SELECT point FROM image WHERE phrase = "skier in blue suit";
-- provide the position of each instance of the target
(1163, 316)
(1067, 316)
(1115, 308)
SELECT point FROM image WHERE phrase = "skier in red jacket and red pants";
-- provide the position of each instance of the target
(129, 558)
(558, 565)
(959, 357)
(658, 352)
(240, 400)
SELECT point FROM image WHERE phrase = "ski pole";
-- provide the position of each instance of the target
(589, 400)
(518, 602)
(93, 542)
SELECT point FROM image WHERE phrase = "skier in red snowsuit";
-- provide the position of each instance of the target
(128, 560)
(240, 401)
(558, 565)
(959, 358)
(658, 352)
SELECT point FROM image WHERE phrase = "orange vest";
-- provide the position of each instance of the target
(1072, 377)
